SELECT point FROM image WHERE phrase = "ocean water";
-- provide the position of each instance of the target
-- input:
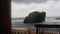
(18, 22)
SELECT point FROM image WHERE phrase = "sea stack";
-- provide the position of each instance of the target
(35, 17)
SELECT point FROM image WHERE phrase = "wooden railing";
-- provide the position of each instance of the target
(19, 31)
(39, 29)
(23, 31)
(47, 29)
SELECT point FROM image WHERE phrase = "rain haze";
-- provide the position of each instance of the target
(21, 8)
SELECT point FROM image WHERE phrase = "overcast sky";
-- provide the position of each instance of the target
(21, 8)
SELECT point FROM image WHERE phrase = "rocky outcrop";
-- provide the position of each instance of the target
(35, 17)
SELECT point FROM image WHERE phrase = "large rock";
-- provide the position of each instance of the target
(43, 14)
(35, 17)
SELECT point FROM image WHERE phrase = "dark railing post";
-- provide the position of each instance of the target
(28, 31)
(39, 30)
(21, 32)
(18, 33)
(43, 26)
(14, 32)
(36, 30)
(25, 33)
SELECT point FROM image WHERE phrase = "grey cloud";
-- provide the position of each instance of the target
(56, 0)
(30, 1)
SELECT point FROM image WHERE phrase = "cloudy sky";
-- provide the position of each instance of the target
(21, 8)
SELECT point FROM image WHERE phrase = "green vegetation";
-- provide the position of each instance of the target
(35, 17)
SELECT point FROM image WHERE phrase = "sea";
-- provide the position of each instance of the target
(18, 22)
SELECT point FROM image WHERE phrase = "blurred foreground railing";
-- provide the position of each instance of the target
(19, 31)
(47, 29)
(23, 31)
(38, 29)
